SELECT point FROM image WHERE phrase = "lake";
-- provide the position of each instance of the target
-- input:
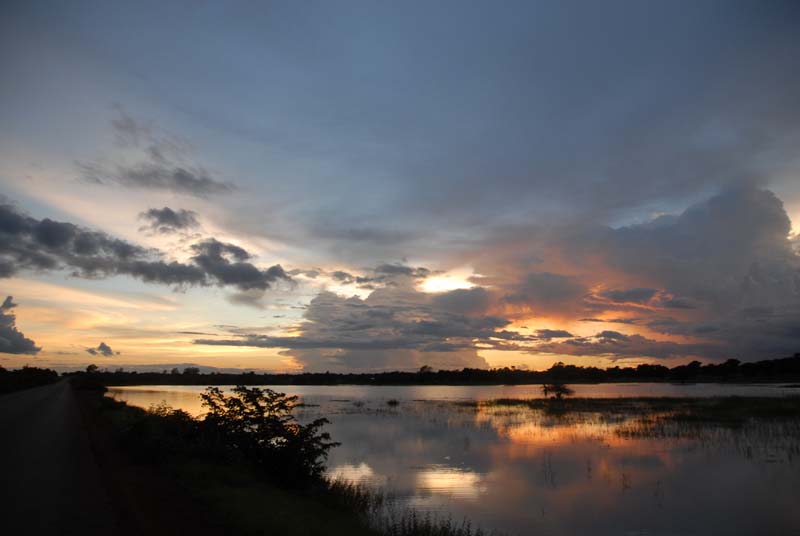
(523, 471)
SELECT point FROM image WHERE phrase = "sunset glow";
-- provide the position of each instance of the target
(331, 221)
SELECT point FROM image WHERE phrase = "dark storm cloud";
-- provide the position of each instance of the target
(547, 291)
(166, 220)
(102, 349)
(394, 327)
(732, 249)
(42, 245)
(636, 295)
(400, 328)
(470, 301)
(727, 263)
(639, 297)
(553, 334)
(12, 341)
(678, 303)
(161, 163)
(311, 274)
(614, 344)
(226, 263)
(611, 320)
(401, 270)
(28, 243)
(381, 275)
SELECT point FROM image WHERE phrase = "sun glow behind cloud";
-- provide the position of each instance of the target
(471, 228)
(455, 280)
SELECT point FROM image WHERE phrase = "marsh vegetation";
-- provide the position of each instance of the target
(248, 450)
(524, 464)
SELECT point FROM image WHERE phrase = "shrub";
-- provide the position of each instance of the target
(556, 390)
(258, 425)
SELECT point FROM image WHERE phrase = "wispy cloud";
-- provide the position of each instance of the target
(161, 163)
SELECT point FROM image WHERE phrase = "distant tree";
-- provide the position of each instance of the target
(191, 371)
(732, 363)
(425, 369)
(91, 369)
(556, 390)
(175, 371)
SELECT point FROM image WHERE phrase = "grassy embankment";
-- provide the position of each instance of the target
(236, 496)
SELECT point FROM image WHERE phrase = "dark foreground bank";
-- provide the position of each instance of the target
(233, 470)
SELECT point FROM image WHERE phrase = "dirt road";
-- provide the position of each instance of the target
(50, 482)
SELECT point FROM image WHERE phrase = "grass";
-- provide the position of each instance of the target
(255, 507)
(410, 523)
(740, 421)
(725, 411)
(245, 502)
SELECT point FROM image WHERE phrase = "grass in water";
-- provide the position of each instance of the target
(726, 411)
(247, 502)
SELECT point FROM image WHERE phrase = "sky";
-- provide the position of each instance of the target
(367, 186)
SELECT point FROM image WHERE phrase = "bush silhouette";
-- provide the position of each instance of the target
(556, 390)
(258, 425)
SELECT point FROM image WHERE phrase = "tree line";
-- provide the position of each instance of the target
(773, 370)
(25, 378)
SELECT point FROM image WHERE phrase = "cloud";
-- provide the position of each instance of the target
(726, 265)
(12, 341)
(102, 349)
(612, 320)
(166, 221)
(553, 334)
(251, 298)
(45, 245)
(378, 276)
(393, 328)
(472, 301)
(226, 263)
(157, 176)
(634, 298)
(635, 295)
(401, 270)
(370, 236)
(730, 249)
(547, 292)
(722, 277)
(160, 163)
(614, 344)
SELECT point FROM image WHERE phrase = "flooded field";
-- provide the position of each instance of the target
(619, 466)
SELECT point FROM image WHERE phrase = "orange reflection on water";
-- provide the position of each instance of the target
(451, 481)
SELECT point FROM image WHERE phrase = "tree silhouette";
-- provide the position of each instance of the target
(556, 390)
(258, 424)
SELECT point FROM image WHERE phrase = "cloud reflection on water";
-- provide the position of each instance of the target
(525, 471)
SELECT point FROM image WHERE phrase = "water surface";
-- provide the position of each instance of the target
(524, 471)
